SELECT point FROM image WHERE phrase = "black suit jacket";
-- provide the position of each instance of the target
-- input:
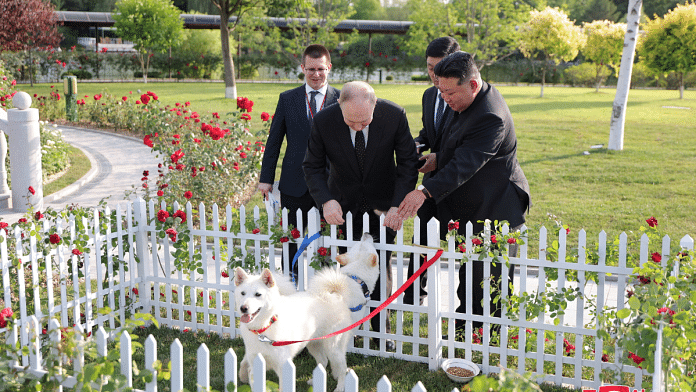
(390, 160)
(290, 120)
(478, 175)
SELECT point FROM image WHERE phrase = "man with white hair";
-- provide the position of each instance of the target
(372, 160)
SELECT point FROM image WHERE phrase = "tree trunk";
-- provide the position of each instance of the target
(230, 83)
(543, 80)
(31, 69)
(618, 114)
(681, 84)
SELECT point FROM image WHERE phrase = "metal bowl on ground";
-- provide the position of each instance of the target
(460, 370)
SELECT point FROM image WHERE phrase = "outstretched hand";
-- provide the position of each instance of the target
(430, 163)
(393, 220)
(410, 205)
(333, 213)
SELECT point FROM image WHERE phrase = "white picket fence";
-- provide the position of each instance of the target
(139, 274)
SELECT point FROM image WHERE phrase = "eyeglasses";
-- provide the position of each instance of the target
(316, 70)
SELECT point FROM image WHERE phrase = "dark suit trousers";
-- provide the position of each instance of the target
(292, 203)
(477, 288)
(390, 235)
(426, 212)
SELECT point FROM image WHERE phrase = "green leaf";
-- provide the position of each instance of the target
(634, 303)
(623, 313)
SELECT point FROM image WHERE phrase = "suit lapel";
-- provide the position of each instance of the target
(374, 139)
(300, 107)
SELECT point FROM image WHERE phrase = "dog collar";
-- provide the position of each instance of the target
(362, 284)
(365, 290)
(262, 330)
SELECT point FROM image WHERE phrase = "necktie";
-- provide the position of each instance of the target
(313, 103)
(360, 148)
(440, 113)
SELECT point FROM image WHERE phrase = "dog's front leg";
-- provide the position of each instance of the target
(245, 370)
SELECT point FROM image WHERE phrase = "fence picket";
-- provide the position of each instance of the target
(384, 385)
(319, 379)
(230, 370)
(203, 368)
(288, 377)
(126, 358)
(259, 374)
(177, 360)
(352, 381)
(419, 387)
(150, 358)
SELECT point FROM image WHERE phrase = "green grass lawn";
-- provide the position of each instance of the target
(605, 190)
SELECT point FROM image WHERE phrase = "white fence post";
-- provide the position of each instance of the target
(434, 300)
(22, 126)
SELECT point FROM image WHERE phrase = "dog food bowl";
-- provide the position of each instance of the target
(460, 370)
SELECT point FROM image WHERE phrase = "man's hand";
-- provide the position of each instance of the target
(410, 205)
(418, 147)
(333, 213)
(430, 163)
(393, 220)
(265, 189)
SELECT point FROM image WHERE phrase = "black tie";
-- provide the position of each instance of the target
(440, 113)
(360, 148)
(313, 103)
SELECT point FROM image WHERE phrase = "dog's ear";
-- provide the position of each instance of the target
(342, 259)
(373, 259)
(267, 278)
(239, 276)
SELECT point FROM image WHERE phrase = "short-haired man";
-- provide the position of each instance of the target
(435, 111)
(477, 174)
(372, 160)
(293, 120)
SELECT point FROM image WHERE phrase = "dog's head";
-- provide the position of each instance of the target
(254, 294)
(363, 251)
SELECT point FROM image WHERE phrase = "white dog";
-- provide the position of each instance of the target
(335, 299)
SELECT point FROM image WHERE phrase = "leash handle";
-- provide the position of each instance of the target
(377, 310)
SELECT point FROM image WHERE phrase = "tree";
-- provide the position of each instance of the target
(550, 36)
(368, 10)
(669, 43)
(660, 7)
(604, 46)
(26, 25)
(152, 25)
(618, 112)
(227, 8)
(484, 28)
(600, 10)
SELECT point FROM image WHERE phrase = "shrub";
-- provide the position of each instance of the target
(79, 73)
(389, 78)
(300, 76)
(584, 74)
(420, 78)
(150, 74)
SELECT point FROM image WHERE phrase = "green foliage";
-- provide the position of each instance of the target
(669, 43)
(507, 381)
(550, 35)
(604, 45)
(152, 26)
(367, 10)
(585, 74)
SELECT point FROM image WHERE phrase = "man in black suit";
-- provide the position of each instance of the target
(435, 111)
(477, 175)
(293, 119)
(372, 161)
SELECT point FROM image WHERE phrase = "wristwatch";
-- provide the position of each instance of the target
(425, 191)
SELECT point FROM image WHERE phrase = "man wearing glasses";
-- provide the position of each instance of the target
(293, 117)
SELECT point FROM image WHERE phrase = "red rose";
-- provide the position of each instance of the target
(22, 220)
(217, 133)
(512, 241)
(656, 257)
(453, 226)
(124, 99)
(160, 193)
(172, 234)
(76, 252)
(178, 154)
(246, 117)
(31, 190)
(54, 239)
(5, 315)
(181, 215)
(476, 241)
(462, 248)
(256, 231)
(38, 215)
(322, 251)
(493, 239)
(242, 155)
(284, 239)
(148, 142)
(162, 215)
(144, 99)
(188, 194)
(265, 116)
(225, 274)
(223, 228)
(295, 233)
(652, 222)
(135, 290)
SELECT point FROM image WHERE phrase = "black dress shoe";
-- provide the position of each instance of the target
(389, 344)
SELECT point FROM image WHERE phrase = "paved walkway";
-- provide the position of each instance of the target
(117, 165)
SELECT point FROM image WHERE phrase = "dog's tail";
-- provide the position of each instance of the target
(330, 284)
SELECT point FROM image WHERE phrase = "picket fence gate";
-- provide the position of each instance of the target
(131, 268)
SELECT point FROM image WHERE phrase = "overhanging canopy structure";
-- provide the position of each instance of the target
(191, 21)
